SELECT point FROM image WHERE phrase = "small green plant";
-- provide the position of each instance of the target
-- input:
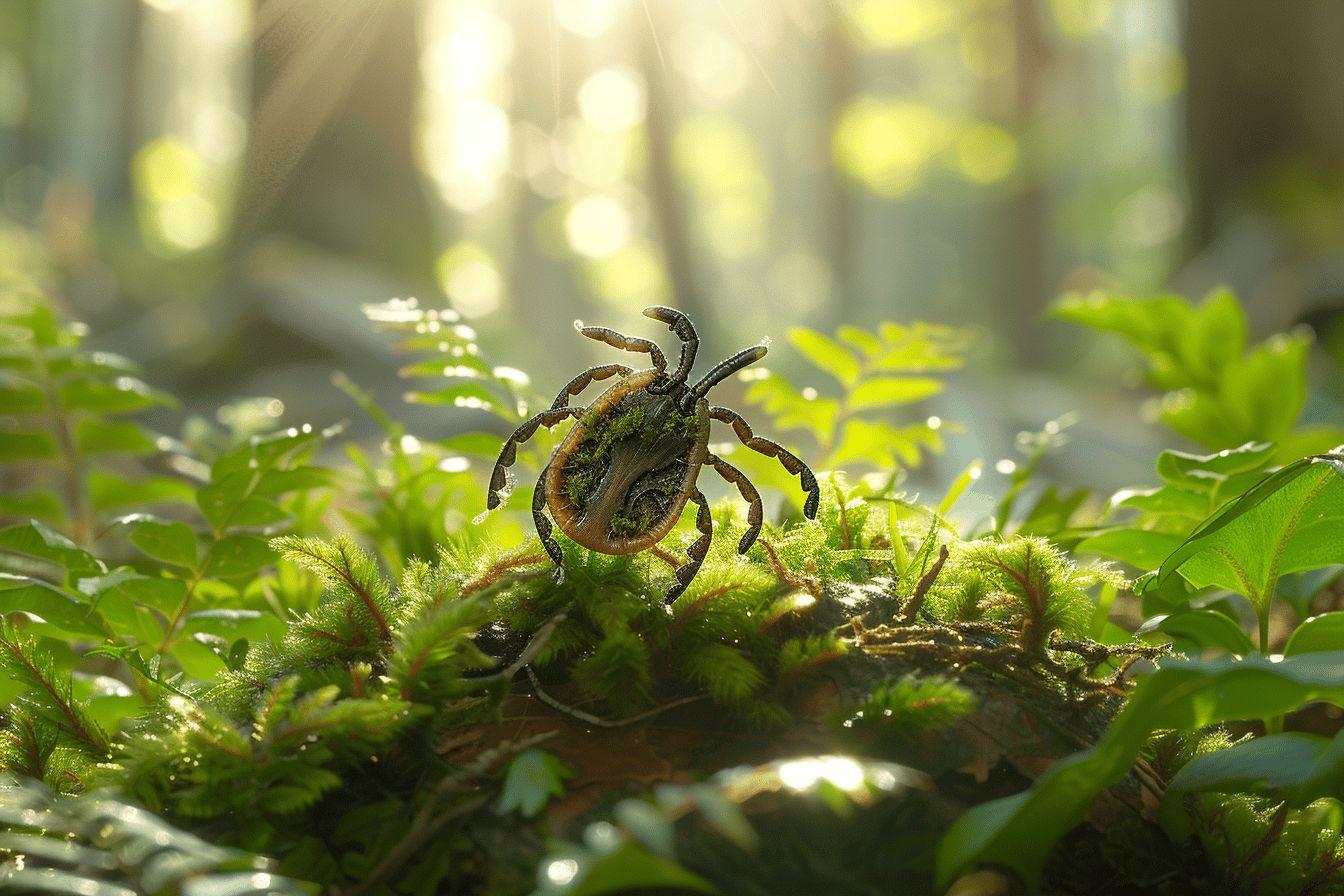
(1215, 390)
(893, 367)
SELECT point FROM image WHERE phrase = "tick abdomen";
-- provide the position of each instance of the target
(619, 480)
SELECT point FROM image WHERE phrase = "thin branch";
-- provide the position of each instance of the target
(598, 721)
(916, 602)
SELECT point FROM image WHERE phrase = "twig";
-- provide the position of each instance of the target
(916, 602)
(598, 721)
(530, 651)
(495, 571)
(810, 584)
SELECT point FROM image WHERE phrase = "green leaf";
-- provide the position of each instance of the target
(826, 354)
(94, 436)
(36, 539)
(222, 497)
(632, 869)
(1204, 628)
(1292, 520)
(258, 513)
(54, 605)
(1299, 768)
(238, 555)
(170, 541)
(126, 586)
(790, 408)
(463, 394)
(20, 396)
(1319, 634)
(531, 780)
(1018, 832)
(16, 446)
(891, 391)
(1205, 471)
(121, 395)
(108, 491)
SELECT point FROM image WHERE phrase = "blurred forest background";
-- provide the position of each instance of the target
(217, 186)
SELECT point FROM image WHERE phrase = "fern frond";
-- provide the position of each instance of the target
(725, 673)
(348, 570)
(431, 652)
(912, 704)
(618, 671)
(49, 694)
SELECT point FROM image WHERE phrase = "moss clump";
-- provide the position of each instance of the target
(583, 472)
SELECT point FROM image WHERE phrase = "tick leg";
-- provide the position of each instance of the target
(773, 449)
(509, 453)
(628, 343)
(580, 382)
(749, 494)
(726, 368)
(705, 524)
(681, 325)
(543, 524)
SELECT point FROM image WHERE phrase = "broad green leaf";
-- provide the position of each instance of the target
(36, 539)
(532, 779)
(1265, 392)
(891, 391)
(826, 354)
(121, 395)
(1319, 634)
(629, 869)
(62, 609)
(1204, 628)
(233, 623)
(38, 505)
(223, 496)
(1217, 336)
(94, 436)
(1018, 832)
(882, 445)
(258, 513)
(279, 482)
(19, 395)
(1152, 325)
(1299, 768)
(131, 589)
(790, 408)
(108, 491)
(170, 541)
(1205, 471)
(1167, 501)
(1292, 520)
(238, 555)
(861, 339)
(16, 446)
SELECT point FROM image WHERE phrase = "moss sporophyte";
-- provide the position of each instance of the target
(619, 480)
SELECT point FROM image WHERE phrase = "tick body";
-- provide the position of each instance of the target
(620, 479)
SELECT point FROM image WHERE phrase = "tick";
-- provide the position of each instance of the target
(620, 478)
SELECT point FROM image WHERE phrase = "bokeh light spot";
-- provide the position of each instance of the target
(612, 99)
(597, 226)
